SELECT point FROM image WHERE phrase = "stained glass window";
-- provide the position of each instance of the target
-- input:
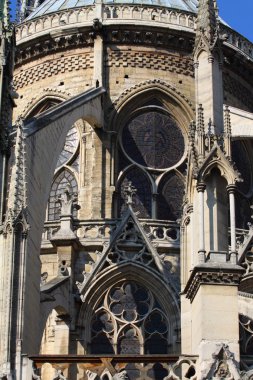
(70, 146)
(153, 139)
(170, 198)
(59, 185)
(142, 200)
(129, 311)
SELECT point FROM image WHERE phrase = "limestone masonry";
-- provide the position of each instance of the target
(126, 188)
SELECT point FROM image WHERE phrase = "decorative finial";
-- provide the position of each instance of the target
(128, 192)
(67, 201)
(207, 32)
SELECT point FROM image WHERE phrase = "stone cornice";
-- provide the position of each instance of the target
(207, 274)
(71, 21)
(76, 38)
(112, 14)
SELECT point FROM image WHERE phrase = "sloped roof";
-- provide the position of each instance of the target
(51, 6)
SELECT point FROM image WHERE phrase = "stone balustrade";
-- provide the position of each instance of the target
(116, 367)
(162, 233)
(111, 14)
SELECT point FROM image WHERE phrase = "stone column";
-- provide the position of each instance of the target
(201, 252)
(98, 45)
(231, 193)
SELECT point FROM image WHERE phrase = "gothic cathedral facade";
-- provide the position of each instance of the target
(126, 184)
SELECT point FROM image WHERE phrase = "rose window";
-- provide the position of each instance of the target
(154, 140)
(129, 321)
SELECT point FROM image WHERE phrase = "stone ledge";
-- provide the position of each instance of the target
(212, 274)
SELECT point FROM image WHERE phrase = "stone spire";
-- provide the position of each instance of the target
(4, 15)
(208, 67)
(207, 24)
(17, 189)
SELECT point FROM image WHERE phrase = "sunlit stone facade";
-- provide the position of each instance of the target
(126, 192)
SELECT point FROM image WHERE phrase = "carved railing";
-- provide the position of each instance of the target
(237, 41)
(120, 13)
(116, 367)
(161, 233)
(245, 258)
(149, 14)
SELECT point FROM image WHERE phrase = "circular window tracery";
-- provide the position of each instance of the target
(154, 140)
(129, 321)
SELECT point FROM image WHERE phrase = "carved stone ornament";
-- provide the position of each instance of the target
(222, 370)
(121, 376)
(59, 375)
(205, 274)
(67, 202)
(129, 244)
(223, 365)
(91, 375)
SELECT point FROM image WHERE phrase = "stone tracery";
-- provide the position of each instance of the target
(129, 320)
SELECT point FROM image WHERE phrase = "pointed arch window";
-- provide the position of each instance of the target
(64, 178)
(152, 143)
(170, 197)
(129, 320)
(44, 105)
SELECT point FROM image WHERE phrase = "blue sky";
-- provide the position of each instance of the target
(238, 14)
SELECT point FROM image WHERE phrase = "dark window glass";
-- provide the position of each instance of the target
(157, 372)
(153, 139)
(241, 159)
(155, 333)
(242, 211)
(70, 146)
(129, 311)
(101, 334)
(170, 198)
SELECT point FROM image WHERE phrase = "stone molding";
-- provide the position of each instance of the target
(150, 37)
(53, 44)
(51, 68)
(226, 275)
(46, 93)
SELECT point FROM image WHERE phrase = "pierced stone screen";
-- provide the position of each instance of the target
(153, 139)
